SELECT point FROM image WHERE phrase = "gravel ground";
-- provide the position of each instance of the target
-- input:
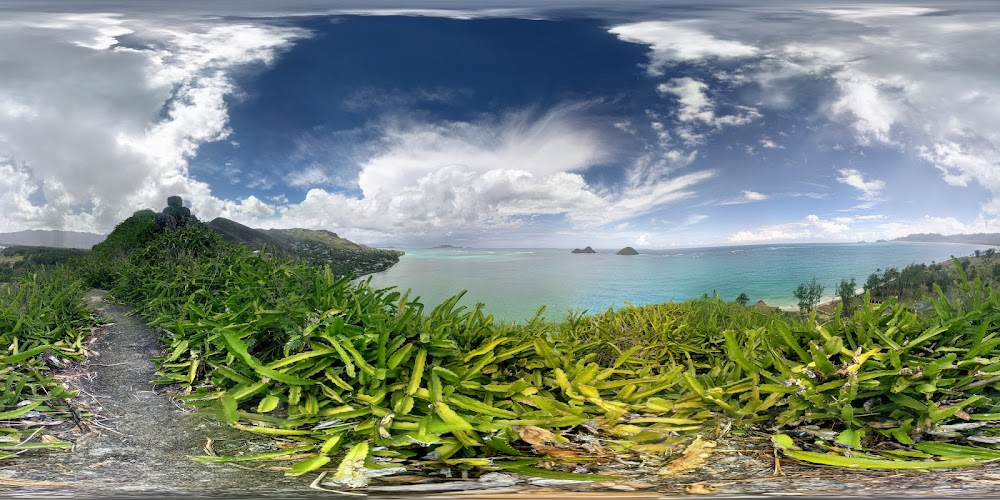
(138, 442)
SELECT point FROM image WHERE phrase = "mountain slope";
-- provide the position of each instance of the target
(315, 246)
(976, 238)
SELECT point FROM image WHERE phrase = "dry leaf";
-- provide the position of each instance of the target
(209, 448)
(694, 455)
(552, 451)
(699, 489)
(535, 435)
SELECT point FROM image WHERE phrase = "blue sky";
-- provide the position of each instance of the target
(651, 124)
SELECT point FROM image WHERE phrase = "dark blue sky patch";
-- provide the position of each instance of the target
(354, 71)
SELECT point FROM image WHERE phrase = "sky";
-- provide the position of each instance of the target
(510, 124)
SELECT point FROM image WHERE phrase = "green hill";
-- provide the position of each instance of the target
(315, 246)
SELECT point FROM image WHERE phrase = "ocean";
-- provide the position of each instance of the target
(513, 283)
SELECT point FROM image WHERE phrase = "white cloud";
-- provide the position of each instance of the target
(308, 177)
(767, 143)
(812, 228)
(643, 240)
(696, 108)
(875, 11)
(870, 189)
(676, 41)
(873, 109)
(470, 177)
(690, 93)
(125, 120)
(693, 219)
(457, 13)
(746, 196)
(958, 165)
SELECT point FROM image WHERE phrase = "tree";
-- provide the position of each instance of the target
(848, 293)
(873, 282)
(809, 295)
(743, 299)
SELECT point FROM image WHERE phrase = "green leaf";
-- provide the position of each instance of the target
(308, 465)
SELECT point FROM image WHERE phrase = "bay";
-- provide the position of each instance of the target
(513, 283)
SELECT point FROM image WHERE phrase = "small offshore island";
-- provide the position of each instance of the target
(623, 251)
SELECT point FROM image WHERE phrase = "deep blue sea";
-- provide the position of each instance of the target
(513, 283)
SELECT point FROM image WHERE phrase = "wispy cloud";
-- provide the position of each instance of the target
(746, 196)
(871, 190)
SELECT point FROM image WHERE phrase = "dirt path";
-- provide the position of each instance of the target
(139, 440)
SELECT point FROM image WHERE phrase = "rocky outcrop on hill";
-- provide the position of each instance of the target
(627, 251)
(584, 250)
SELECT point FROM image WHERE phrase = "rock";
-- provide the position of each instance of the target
(627, 251)
(175, 215)
(585, 250)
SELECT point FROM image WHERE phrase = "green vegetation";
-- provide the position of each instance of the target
(316, 247)
(43, 321)
(16, 260)
(281, 348)
(809, 295)
(338, 369)
(847, 292)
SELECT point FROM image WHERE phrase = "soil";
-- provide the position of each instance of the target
(137, 441)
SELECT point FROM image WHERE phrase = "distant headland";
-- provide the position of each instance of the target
(976, 238)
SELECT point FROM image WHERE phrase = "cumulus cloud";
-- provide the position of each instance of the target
(98, 130)
(811, 228)
(498, 173)
(676, 41)
(767, 143)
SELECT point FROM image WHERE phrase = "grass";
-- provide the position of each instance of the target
(290, 350)
(284, 349)
(43, 321)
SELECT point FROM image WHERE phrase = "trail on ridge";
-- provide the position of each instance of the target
(138, 439)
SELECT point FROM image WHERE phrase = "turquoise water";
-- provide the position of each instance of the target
(513, 283)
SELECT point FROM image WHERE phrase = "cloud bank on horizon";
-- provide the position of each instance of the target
(512, 125)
